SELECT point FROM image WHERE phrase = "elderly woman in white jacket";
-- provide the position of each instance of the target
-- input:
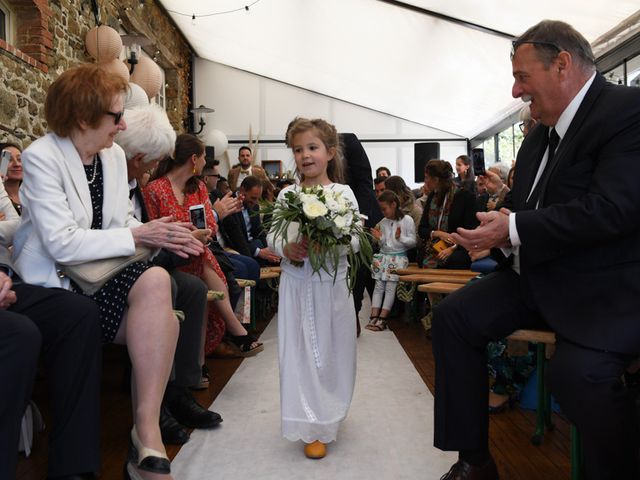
(76, 209)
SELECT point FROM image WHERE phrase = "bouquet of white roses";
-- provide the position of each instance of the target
(328, 220)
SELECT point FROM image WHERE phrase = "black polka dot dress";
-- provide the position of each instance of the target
(112, 297)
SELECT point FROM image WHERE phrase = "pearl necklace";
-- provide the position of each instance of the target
(95, 170)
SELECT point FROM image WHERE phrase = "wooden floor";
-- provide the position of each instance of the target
(510, 432)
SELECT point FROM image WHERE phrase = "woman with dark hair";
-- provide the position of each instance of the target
(176, 186)
(447, 207)
(13, 177)
(466, 178)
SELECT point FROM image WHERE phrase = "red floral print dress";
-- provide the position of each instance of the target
(161, 202)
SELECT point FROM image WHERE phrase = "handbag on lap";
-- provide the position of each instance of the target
(91, 276)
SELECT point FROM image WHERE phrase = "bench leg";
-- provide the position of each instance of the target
(536, 439)
(576, 455)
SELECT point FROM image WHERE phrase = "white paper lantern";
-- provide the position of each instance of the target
(103, 43)
(136, 97)
(116, 67)
(218, 140)
(148, 75)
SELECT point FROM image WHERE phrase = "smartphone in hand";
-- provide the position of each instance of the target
(5, 158)
(477, 154)
(198, 218)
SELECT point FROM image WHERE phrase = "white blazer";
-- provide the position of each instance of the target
(57, 212)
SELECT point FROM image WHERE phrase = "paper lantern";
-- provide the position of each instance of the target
(148, 75)
(136, 96)
(218, 140)
(103, 43)
(116, 67)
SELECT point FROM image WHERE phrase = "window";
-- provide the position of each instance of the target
(6, 18)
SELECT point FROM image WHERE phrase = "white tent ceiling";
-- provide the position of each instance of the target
(382, 56)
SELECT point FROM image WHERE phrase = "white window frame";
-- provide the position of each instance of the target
(9, 17)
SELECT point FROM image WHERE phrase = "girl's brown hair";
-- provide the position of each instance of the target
(389, 196)
(329, 136)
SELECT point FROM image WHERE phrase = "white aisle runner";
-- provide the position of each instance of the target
(387, 435)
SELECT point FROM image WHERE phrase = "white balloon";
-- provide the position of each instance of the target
(136, 97)
(218, 140)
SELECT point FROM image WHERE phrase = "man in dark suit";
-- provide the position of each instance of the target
(66, 327)
(358, 177)
(244, 229)
(572, 229)
(143, 152)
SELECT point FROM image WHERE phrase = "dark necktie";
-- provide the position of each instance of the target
(554, 140)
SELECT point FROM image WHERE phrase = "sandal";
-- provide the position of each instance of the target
(379, 326)
(372, 324)
(244, 344)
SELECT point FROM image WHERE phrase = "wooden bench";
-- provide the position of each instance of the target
(436, 271)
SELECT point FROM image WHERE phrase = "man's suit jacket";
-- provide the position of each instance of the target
(57, 215)
(358, 173)
(234, 173)
(580, 252)
(240, 240)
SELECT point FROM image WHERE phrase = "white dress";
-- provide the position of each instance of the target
(317, 346)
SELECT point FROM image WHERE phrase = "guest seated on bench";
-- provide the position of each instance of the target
(75, 201)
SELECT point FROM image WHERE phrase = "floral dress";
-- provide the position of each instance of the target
(161, 202)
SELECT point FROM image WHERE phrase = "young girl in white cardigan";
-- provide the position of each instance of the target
(396, 233)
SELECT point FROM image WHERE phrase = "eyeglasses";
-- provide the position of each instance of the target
(521, 126)
(516, 43)
(117, 116)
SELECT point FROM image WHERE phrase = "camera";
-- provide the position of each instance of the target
(198, 218)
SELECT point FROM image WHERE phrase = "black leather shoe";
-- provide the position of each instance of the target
(75, 476)
(462, 470)
(172, 432)
(188, 412)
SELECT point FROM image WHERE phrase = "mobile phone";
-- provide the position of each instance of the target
(196, 213)
(5, 158)
(477, 155)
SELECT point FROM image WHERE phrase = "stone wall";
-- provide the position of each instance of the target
(50, 38)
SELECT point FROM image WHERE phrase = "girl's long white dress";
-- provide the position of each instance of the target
(317, 346)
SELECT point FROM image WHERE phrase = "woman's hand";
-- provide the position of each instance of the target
(166, 233)
(296, 251)
(445, 254)
(376, 233)
(7, 295)
(202, 235)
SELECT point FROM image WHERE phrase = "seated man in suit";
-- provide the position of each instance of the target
(243, 267)
(238, 173)
(66, 327)
(149, 137)
(244, 229)
(571, 229)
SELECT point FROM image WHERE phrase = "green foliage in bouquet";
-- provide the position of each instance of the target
(328, 220)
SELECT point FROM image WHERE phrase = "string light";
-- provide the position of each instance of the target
(194, 16)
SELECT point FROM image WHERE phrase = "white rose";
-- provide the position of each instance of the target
(314, 209)
(332, 204)
(340, 221)
(307, 197)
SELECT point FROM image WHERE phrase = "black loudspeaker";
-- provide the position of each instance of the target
(209, 153)
(422, 153)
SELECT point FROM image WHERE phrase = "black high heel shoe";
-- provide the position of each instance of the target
(144, 458)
